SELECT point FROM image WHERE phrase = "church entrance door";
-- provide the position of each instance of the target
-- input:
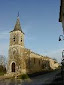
(13, 67)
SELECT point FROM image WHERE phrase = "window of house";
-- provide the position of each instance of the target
(39, 62)
(21, 39)
(34, 60)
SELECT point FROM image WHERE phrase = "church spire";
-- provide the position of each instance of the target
(17, 25)
(18, 14)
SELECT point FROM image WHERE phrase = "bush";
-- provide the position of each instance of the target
(24, 76)
(2, 70)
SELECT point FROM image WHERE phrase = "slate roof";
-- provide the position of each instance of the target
(17, 26)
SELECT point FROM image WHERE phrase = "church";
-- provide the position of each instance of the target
(22, 60)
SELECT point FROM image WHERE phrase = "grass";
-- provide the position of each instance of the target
(23, 76)
(2, 70)
(2, 73)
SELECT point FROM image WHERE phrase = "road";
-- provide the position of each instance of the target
(38, 80)
(45, 79)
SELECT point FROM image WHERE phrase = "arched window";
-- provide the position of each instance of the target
(13, 67)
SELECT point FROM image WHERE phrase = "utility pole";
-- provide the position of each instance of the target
(61, 37)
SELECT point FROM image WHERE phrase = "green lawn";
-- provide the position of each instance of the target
(2, 73)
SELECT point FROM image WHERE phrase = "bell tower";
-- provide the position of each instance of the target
(17, 35)
(16, 48)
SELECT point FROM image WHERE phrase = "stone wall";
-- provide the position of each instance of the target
(16, 38)
(35, 62)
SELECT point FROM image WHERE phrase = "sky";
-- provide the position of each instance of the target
(39, 21)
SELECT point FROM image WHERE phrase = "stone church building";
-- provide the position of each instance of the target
(22, 60)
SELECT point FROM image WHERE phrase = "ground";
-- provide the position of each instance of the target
(44, 79)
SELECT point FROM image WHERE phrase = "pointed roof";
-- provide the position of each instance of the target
(17, 25)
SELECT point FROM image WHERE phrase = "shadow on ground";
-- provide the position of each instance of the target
(58, 80)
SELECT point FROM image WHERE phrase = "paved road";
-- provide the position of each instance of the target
(38, 80)
(45, 79)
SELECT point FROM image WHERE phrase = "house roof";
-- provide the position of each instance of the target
(17, 25)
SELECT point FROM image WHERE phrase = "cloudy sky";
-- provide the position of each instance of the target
(39, 22)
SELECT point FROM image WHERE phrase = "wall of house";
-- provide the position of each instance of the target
(35, 62)
(53, 64)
